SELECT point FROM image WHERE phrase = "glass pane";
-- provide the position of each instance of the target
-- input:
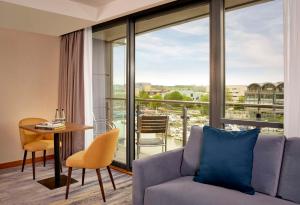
(254, 62)
(172, 73)
(109, 84)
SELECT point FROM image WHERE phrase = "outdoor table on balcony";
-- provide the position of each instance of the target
(58, 180)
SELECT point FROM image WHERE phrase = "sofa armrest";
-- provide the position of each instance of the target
(154, 170)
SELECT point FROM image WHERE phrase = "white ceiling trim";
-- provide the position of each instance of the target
(63, 7)
(58, 17)
(114, 7)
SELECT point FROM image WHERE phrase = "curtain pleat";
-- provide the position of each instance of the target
(292, 68)
(71, 89)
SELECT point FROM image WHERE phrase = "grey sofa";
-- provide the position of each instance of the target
(167, 178)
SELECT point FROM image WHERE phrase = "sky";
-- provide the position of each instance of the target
(179, 55)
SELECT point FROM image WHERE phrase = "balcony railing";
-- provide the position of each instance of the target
(183, 115)
(188, 112)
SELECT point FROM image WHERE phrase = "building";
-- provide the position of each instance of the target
(236, 92)
(266, 93)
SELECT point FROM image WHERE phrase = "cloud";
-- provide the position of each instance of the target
(254, 44)
(198, 27)
(180, 54)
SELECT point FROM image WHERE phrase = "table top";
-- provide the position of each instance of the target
(70, 127)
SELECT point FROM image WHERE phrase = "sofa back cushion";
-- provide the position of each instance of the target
(191, 153)
(266, 163)
(289, 184)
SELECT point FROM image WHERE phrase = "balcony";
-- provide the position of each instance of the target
(184, 114)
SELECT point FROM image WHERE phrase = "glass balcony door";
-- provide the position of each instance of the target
(109, 84)
(171, 77)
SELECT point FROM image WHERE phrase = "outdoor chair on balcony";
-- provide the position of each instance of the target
(157, 125)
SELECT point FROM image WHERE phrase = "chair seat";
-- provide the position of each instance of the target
(151, 141)
(76, 160)
(39, 145)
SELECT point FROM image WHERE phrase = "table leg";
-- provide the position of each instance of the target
(58, 180)
(56, 160)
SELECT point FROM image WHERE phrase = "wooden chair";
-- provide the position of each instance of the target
(34, 142)
(152, 124)
(98, 155)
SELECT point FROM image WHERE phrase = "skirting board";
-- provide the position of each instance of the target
(19, 162)
(49, 157)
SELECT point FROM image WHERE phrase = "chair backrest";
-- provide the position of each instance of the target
(267, 160)
(153, 124)
(101, 152)
(27, 136)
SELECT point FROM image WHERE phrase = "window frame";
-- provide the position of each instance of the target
(216, 69)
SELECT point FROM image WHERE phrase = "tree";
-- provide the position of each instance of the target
(175, 95)
(242, 99)
(186, 98)
(228, 95)
(204, 98)
(156, 104)
(143, 94)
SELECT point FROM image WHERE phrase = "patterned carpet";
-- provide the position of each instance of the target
(17, 188)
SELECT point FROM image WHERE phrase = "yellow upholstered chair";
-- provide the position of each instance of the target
(33, 142)
(98, 155)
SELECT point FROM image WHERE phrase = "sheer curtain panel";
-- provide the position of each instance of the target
(292, 68)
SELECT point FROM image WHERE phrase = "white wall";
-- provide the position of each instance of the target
(29, 66)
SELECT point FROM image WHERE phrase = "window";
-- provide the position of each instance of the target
(172, 72)
(157, 63)
(254, 63)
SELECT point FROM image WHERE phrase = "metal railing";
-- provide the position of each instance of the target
(272, 106)
(185, 108)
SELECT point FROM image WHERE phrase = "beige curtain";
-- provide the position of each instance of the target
(71, 89)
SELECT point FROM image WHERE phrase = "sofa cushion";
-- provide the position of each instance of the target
(266, 163)
(191, 153)
(227, 158)
(268, 154)
(289, 185)
(185, 191)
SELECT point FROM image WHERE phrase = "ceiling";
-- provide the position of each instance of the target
(58, 17)
(95, 3)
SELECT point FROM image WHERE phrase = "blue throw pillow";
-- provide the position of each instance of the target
(227, 158)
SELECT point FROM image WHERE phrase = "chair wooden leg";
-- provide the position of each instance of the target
(101, 184)
(44, 158)
(83, 173)
(33, 165)
(24, 160)
(68, 182)
(111, 177)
